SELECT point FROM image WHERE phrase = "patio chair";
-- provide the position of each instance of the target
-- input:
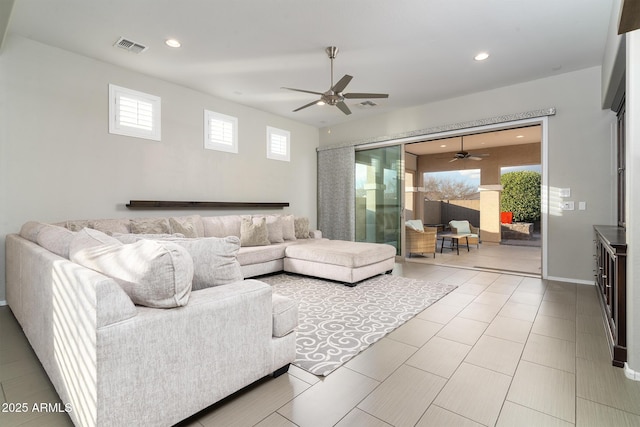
(420, 239)
(464, 227)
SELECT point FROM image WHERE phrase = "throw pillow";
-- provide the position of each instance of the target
(56, 239)
(150, 226)
(110, 225)
(153, 274)
(302, 227)
(274, 229)
(253, 232)
(462, 227)
(288, 227)
(415, 224)
(185, 227)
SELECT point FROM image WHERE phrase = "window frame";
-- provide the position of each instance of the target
(273, 131)
(218, 145)
(117, 127)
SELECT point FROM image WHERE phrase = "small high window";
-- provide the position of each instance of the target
(278, 143)
(133, 113)
(220, 132)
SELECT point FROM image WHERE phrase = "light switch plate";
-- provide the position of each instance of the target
(582, 206)
(567, 206)
(565, 192)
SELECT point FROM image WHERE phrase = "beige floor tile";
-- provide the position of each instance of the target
(519, 311)
(509, 329)
(481, 312)
(564, 297)
(20, 388)
(557, 286)
(439, 313)
(555, 327)
(465, 331)
(492, 298)
(475, 393)
(544, 389)
(359, 418)
(551, 352)
(600, 382)
(439, 356)
(529, 298)
(502, 288)
(328, 401)
(496, 354)
(474, 289)
(513, 415)
(557, 309)
(592, 414)
(437, 416)
(593, 347)
(381, 359)
(458, 299)
(256, 403)
(275, 420)
(590, 324)
(533, 285)
(416, 332)
(55, 419)
(509, 279)
(404, 397)
(303, 375)
(34, 417)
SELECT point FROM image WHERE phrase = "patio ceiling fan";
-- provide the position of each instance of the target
(334, 95)
(463, 155)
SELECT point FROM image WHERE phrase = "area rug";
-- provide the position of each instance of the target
(336, 322)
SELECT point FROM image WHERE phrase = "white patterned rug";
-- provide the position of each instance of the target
(337, 322)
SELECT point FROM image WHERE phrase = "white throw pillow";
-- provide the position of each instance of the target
(288, 227)
(415, 224)
(461, 226)
(153, 274)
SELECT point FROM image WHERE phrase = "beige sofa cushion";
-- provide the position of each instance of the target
(274, 228)
(254, 232)
(288, 227)
(153, 273)
(214, 258)
(186, 226)
(110, 225)
(150, 226)
(56, 239)
(31, 229)
(221, 226)
(301, 227)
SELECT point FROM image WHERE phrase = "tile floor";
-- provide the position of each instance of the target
(514, 259)
(501, 350)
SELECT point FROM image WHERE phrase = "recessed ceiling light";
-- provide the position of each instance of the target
(172, 43)
(481, 56)
(443, 146)
(520, 136)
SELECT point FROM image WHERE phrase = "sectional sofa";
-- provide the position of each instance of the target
(146, 321)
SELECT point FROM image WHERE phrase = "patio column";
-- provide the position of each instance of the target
(490, 213)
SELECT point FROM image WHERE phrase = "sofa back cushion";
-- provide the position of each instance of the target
(153, 273)
(190, 226)
(56, 239)
(150, 226)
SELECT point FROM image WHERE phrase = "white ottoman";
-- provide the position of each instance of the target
(347, 262)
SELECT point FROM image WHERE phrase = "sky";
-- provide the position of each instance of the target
(472, 176)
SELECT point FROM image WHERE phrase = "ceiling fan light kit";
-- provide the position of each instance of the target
(334, 95)
(463, 155)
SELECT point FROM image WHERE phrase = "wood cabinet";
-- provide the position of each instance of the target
(611, 275)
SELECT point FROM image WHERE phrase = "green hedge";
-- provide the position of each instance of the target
(521, 195)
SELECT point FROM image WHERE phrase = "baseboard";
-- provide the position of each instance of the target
(569, 280)
(630, 373)
(2, 302)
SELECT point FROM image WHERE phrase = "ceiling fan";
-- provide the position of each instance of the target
(462, 155)
(334, 95)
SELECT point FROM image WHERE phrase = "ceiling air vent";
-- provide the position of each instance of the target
(367, 104)
(129, 45)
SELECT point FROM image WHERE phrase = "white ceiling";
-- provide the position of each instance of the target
(418, 51)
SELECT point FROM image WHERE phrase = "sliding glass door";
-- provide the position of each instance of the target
(379, 195)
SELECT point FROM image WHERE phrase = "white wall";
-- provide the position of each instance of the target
(580, 151)
(58, 161)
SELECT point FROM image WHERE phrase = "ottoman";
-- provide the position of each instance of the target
(340, 260)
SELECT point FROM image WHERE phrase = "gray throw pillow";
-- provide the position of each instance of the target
(302, 227)
(288, 227)
(150, 226)
(186, 228)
